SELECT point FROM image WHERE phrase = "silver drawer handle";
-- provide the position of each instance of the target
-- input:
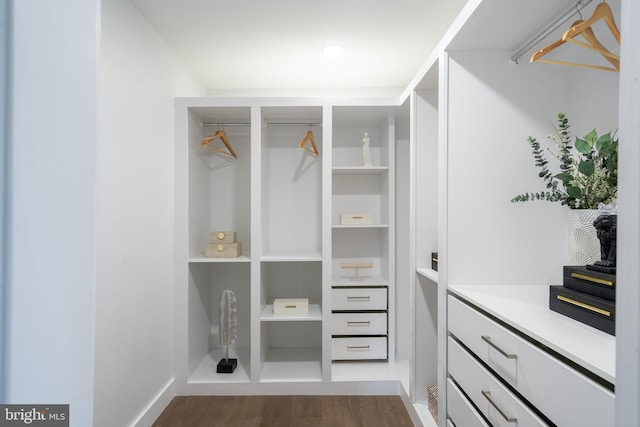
(356, 323)
(367, 298)
(358, 347)
(487, 395)
(487, 338)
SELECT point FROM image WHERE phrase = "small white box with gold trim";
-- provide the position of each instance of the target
(356, 219)
(290, 306)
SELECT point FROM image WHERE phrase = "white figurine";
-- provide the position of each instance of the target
(366, 155)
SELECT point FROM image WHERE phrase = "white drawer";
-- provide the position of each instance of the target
(358, 323)
(353, 348)
(564, 395)
(498, 404)
(352, 299)
(460, 410)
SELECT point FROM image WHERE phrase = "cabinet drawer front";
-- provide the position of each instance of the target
(563, 394)
(460, 410)
(358, 323)
(489, 395)
(358, 348)
(359, 298)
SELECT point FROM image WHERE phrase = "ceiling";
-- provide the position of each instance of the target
(254, 46)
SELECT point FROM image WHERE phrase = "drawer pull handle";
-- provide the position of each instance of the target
(487, 395)
(592, 279)
(358, 323)
(583, 305)
(501, 351)
(358, 347)
(367, 298)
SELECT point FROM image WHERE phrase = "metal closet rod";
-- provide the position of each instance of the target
(551, 27)
(226, 124)
(294, 124)
(220, 124)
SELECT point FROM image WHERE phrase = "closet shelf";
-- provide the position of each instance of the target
(345, 281)
(429, 273)
(292, 255)
(339, 226)
(285, 364)
(206, 370)
(202, 258)
(360, 170)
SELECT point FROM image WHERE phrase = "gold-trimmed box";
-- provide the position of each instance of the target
(290, 306)
(223, 250)
(356, 219)
(223, 237)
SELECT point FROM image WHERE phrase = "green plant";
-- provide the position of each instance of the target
(587, 178)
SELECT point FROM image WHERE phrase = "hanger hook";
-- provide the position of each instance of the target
(578, 4)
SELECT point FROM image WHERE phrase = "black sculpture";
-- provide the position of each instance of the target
(606, 228)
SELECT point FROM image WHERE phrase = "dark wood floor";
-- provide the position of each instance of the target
(283, 411)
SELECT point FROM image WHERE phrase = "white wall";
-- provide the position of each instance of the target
(4, 108)
(139, 78)
(628, 298)
(496, 107)
(51, 205)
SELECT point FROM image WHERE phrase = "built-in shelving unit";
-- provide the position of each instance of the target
(363, 306)
(469, 108)
(284, 202)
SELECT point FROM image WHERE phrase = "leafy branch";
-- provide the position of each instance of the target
(588, 180)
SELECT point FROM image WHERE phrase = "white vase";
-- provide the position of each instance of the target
(584, 246)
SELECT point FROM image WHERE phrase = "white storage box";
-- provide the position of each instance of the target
(356, 219)
(223, 250)
(290, 306)
(222, 237)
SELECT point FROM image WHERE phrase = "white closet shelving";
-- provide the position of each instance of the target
(214, 195)
(472, 111)
(363, 311)
(284, 202)
(290, 191)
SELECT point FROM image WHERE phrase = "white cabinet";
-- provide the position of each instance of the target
(284, 203)
(460, 410)
(513, 369)
(290, 230)
(363, 180)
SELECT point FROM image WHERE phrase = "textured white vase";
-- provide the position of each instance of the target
(584, 246)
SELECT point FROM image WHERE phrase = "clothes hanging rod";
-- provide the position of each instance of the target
(220, 124)
(226, 124)
(550, 28)
(293, 124)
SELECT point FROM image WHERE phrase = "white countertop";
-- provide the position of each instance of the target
(526, 308)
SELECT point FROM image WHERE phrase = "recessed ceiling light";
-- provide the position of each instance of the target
(333, 50)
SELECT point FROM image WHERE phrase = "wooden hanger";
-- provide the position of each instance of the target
(593, 44)
(602, 11)
(208, 143)
(309, 138)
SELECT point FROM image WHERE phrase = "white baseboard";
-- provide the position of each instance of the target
(155, 407)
